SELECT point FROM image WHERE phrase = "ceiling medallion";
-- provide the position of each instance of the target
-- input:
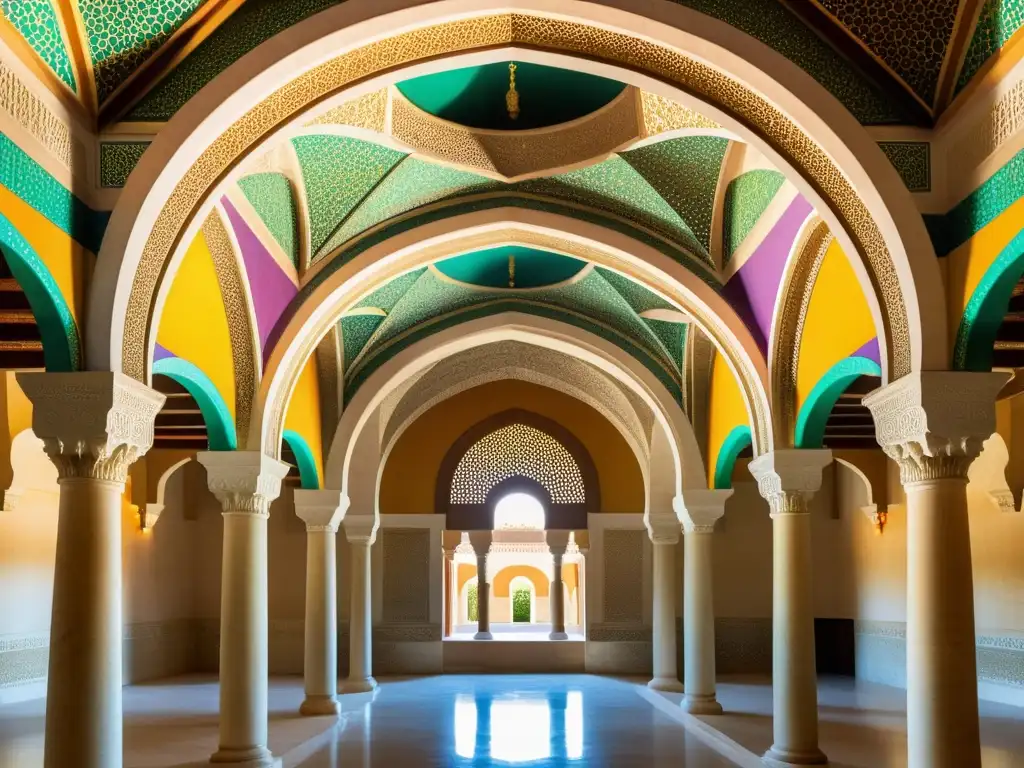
(512, 97)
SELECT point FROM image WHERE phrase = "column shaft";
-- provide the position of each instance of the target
(942, 684)
(663, 619)
(483, 599)
(794, 678)
(83, 706)
(698, 625)
(557, 601)
(243, 641)
(360, 673)
(321, 648)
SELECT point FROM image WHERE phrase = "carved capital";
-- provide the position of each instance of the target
(480, 541)
(93, 424)
(558, 542)
(788, 479)
(321, 510)
(662, 527)
(933, 423)
(699, 510)
(361, 529)
(244, 482)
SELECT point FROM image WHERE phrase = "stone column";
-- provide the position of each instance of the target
(449, 541)
(663, 528)
(361, 532)
(322, 512)
(93, 426)
(933, 425)
(245, 483)
(558, 542)
(787, 479)
(481, 541)
(699, 511)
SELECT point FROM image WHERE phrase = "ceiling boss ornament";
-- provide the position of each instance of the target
(512, 97)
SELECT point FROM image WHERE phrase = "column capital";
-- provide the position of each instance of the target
(93, 424)
(558, 541)
(788, 478)
(698, 510)
(321, 510)
(933, 423)
(481, 542)
(361, 529)
(244, 482)
(662, 527)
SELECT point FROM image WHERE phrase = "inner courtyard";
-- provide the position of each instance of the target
(470, 383)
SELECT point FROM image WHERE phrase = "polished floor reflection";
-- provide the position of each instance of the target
(468, 721)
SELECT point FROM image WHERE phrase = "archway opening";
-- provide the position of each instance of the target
(523, 603)
(519, 511)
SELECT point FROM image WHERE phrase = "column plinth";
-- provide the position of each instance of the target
(933, 425)
(558, 543)
(245, 483)
(788, 479)
(699, 513)
(663, 529)
(94, 426)
(322, 511)
(481, 541)
(361, 532)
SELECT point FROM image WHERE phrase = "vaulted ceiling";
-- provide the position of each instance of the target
(889, 61)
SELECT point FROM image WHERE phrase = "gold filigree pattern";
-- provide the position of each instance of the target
(368, 111)
(34, 116)
(662, 115)
(519, 153)
(792, 316)
(560, 35)
(232, 291)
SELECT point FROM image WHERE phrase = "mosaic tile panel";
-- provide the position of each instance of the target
(37, 22)
(35, 117)
(911, 36)
(979, 208)
(684, 172)
(998, 21)
(412, 184)
(29, 181)
(623, 576)
(912, 160)
(254, 22)
(387, 296)
(124, 33)
(338, 173)
(270, 195)
(769, 22)
(639, 298)
(356, 330)
(671, 335)
(118, 159)
(406, 575)
(746, 198)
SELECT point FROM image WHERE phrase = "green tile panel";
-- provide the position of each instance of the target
(912, 160)
(118, 159)
(672, 337)
(339, 172)
(639, 298)
(122, 34)
(356, 330)
(998, 22)
(270, 195)
(388, 295)
(746, 198)
(37, 22)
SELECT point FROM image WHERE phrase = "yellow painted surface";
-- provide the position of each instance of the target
(501, 584)
(466, 572)
(19, 407)
(410, 475)
(194, 325)
(968, 263)
(69, 263)
(727, 410)
(303, 414)
(838, 321)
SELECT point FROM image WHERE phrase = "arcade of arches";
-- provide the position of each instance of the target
(363, 360)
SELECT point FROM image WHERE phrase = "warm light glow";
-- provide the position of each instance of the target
(519, 511)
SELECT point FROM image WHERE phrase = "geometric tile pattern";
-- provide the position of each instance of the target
(270, 195)
(37, 22)
(998, 21)
(118, 159)
(912, 160)
(746, 198)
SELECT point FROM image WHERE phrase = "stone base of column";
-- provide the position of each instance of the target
(316, 705)
(666, 684)
(359, 685)
(558, 636)
(254, 757)
(777, 758)
(700, 705)
(483, 636)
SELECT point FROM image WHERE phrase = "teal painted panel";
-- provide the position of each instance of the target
(498, 267)
(220, 428)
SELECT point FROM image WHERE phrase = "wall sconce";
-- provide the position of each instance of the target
(878, 518)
